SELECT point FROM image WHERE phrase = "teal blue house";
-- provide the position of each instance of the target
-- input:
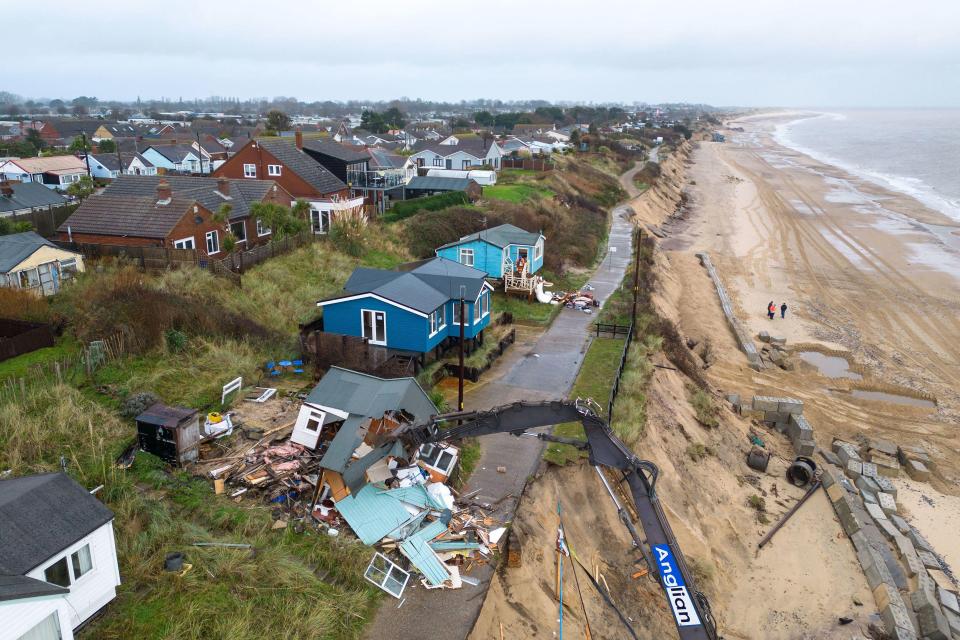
(497, 251)
(414, 309)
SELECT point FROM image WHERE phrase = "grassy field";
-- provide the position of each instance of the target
(516, 192)
(65, 347)
(595, 380)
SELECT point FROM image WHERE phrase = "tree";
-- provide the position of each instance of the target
(79, 145)
(107, 146)
(483, 118)
(8, 226)
(575, 139)
(373, 122)
(35, 140)
(282, 221)
(79, 110)
(82, 188)
(394, 118)
(278, 120)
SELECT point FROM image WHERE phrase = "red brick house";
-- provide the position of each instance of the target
(176, 212)
(284, 161)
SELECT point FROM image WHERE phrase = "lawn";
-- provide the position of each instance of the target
(518, 192)
(64, 348)
(594, 380)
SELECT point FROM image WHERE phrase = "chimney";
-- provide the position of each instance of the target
(6, 189)
(298, 137)
(223, 186)
(164, 194)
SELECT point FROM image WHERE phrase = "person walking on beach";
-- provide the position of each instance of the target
(771, 310)
(783, 310)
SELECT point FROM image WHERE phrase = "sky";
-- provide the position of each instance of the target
(810, 53)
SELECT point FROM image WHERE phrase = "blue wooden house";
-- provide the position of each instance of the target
(415, 309)
(498, 250)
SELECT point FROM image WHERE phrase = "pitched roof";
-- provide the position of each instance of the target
(17, 247)
(381, 158)
(21, 587)
(499, 236)
(27, 195)
(438, 183)
(311, 171)
(50, 163)
(111, 162)
(174, 152)
(42, 515)
(334, 150)
(421, 286)
(477, 147)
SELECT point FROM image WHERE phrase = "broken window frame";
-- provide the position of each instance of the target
(387, 572)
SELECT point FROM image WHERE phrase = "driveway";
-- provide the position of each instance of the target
(545, 370)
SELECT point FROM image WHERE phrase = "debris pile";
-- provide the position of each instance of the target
(775, 350)
(582, 300)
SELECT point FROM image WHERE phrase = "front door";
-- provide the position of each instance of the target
(320, 221)
(449, 164)
(375, 326)
(47, 282)
(523, 259)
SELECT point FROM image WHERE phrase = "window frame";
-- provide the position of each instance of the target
(260, 229)
(243, 225)
(249, 170)
(387, 572)
(274, 174)
(66, 570)
(438, 320)
(191, 240)
(438, 161)
(463, 253)
(74, 562)
(215, 235)
(538, 250)
(373, 324)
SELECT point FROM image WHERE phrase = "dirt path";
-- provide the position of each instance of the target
(543, 369)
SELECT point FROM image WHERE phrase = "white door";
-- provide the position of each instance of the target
(320, 221)
(308, 426)
(375, 326)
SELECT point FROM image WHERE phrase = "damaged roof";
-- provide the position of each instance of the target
(372, 513)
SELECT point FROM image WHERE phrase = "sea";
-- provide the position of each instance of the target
(916, 152)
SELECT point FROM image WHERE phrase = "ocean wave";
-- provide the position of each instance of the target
(907, 185)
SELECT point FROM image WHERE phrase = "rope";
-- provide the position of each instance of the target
(607, 598)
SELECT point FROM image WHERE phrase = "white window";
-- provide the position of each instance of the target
(213, 242)
(374, 326)
(466, 164)
(58, 573)
(239, 230)
(538, 249)
(81, 562)
(249, 171)
(262, 230)
(466, 257)
(438, 320)
(68, 268)
(438, 161)
(273, 169)
(46, 629)
(438, 457)
(386, 575)
(476, 311)
(185, 243)
(486, 303)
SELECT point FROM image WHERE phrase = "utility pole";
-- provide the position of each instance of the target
(636, 272)
(200, 152)
(119, 158)
(463, 312)
(86, 153)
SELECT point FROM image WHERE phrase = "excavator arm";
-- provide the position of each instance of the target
(690, 608)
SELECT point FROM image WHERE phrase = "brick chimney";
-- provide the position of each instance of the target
(6, 189)
(223, 186)
(298, 138)
(164, 193)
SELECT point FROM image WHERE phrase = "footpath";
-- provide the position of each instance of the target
(546, 371)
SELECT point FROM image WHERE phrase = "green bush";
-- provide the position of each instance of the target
(176, 340)
(407, 208)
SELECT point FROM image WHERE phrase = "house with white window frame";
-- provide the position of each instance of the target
(58, 560)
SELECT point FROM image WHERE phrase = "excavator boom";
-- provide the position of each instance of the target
(690, 608)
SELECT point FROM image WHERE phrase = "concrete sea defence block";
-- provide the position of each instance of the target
(917, 470)
(778, 340)
(848, 519)
(884, 593)
(887, 529)
(903, 545)
(883, 446)
(886, 466)
(870, 470)
(896, 616)
(865, 483)
(926, 583)
(765, 403)
(875, 512)
(804, 447)
(886, 486)
(913, 567)
(875, 569)
(764, 336)
(902, 634)
(949, 600)
(829, 457)
(900, 524)
(828, 476)
(929, 561)
(933, 624)
(887, 503)
(953, 620)
(847, 452)
(854, 469)
(919, 542)
(835, 493)
(791, 406)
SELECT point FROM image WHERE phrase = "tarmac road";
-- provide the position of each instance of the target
(545, 371)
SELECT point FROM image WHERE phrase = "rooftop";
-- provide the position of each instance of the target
(17, 247)
(499, 236)
(27, 195)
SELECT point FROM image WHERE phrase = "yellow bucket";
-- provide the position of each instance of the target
(214, 418)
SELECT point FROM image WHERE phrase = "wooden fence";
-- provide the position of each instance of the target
(623, 363)
(530, 164)
(46, 220)
(18, 337)
(240, 261)
(73, 368)
(144, 257)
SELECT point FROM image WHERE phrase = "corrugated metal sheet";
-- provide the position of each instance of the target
(372, 514)
(418, 496)
(417, 549)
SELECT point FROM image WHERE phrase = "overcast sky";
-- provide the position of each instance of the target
(738, 52)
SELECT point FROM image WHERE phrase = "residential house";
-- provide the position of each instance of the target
(414, 310)
(55, 172)
(180, 158)
(497, 250)
(286, 163)
(457, 153)
(17, 198)
(420, 186)
(108, 166)
(28, 261)
(58, 560)
(176, 212)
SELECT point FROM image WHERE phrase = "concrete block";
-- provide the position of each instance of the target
(830, 457)
(933, 624)
(926, 583)
(895, 615)
(848, 519)
(854, 469)
(804, 447)
(751, 414)
(764, 336)
(868, 498)
(884, 594)
(864, 483)
(953, 621)
(887, 503)
(900, 524)
(861, 544)
(903, 545)
(889, 468)
(765, 403)
(919, 542)
(949, 600)
(886, 485)
(791, 406)
(870, 470)
(836, 493)
(778, 420)
(827, 477)
(847, 452)
(917, 470)
(883, 446)
(877, 570)
(887, 529)
(913, 566)
(875, 511)
(941, 579)
(778, 340)
(901, 633)
(929, 560)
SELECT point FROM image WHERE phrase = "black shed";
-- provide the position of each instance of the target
(170, 433)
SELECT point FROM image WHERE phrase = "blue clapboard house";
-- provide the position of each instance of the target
(415, 309)
(497, 251)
